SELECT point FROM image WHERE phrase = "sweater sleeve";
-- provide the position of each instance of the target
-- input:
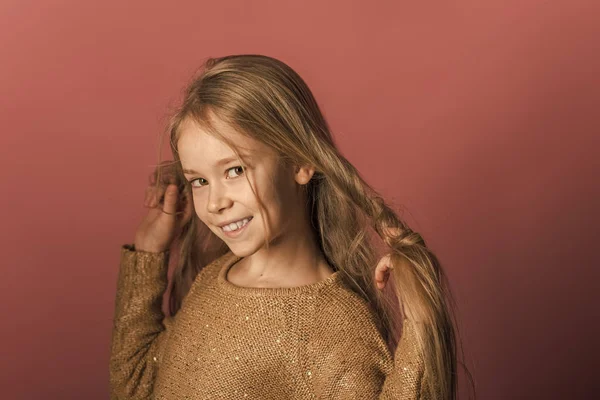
(351, 360)
(405, 381)
(139, 327)
(359, 364)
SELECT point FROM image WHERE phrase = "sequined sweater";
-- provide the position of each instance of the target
(317, 341)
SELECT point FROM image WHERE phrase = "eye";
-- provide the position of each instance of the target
(199, 179)
(238, 170)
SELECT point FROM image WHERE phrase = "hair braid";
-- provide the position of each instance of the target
(421, 287)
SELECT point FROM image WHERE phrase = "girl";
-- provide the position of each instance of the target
(273, 295)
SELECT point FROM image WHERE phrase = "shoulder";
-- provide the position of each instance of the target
(209, 274)
(347, 322)
(211, 270)
(346, 319)
(342, 311)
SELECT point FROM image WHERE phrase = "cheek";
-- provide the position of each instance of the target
(200, 207)
(245, 195)
(276, 207)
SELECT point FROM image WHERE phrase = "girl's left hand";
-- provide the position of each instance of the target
(382, 271)
(384, 266)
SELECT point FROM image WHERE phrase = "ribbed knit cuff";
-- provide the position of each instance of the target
(142, 266)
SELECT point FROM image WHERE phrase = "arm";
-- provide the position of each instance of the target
(140, 328)
(357, 367)
(350, 357)
(405, 381)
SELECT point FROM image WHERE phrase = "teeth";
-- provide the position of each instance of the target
(234, 226)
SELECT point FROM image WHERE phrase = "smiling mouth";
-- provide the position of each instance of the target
(235, 226)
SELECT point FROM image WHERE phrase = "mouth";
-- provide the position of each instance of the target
(234, 228)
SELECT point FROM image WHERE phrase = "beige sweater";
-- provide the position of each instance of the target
(317, 341)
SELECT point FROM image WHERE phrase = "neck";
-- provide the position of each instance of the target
(291, 260)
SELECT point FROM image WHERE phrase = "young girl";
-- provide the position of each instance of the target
(273, 295)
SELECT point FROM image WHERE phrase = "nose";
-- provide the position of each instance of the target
(218, 200)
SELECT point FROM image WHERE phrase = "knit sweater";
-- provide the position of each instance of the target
(317, 341)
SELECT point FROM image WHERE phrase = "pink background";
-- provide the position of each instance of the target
(480, 117)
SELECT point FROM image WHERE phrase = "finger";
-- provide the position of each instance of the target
(147, 196)
(381, 281)
(167, 172)
(158, 193)
(382, 272)
(170, 200)
(188, 207)
(382, 268)
(153, 197)
(166, 178)
(381, 285)
(382, 275)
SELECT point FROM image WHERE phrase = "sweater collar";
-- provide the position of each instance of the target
(229, 259)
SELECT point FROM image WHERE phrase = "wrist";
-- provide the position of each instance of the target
(147, 249)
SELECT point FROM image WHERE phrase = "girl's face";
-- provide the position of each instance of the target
(223, 199)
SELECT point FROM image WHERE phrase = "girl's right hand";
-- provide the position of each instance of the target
(170, 208)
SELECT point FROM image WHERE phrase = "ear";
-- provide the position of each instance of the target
(303, 173)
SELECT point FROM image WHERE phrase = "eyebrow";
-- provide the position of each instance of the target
(218, 163)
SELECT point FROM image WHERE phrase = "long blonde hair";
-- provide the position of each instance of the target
(267, 100)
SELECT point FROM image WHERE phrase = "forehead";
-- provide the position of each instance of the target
(199, 149)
